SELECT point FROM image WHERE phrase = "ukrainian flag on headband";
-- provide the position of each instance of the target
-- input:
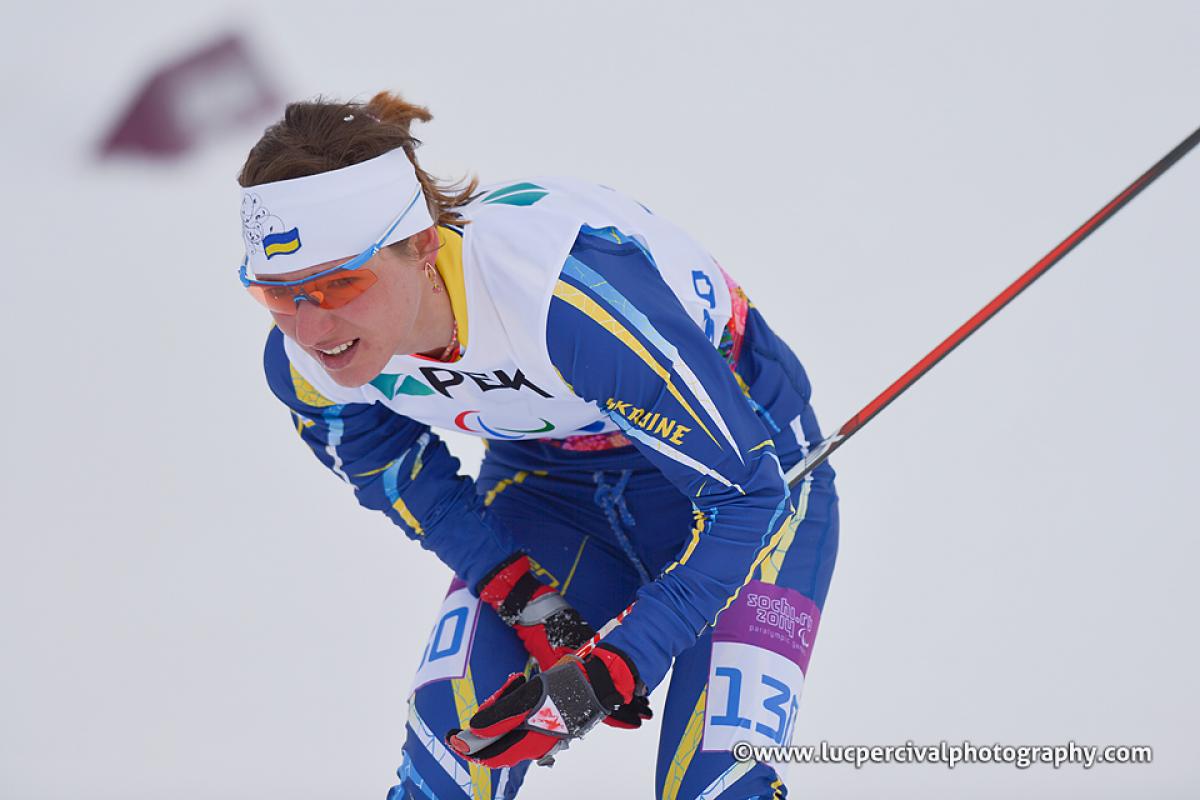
(280, 244)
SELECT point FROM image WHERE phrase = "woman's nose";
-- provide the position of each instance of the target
(313, 323)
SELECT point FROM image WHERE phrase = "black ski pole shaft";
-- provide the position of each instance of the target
(823, 450)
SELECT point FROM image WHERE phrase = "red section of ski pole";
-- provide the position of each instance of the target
(855, 423)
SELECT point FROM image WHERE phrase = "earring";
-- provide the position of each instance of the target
(434, 280)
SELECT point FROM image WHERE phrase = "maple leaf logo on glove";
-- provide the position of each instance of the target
(548, 718)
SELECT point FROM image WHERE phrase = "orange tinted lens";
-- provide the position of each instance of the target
(341, 287)
(280, 299)
(331, 291)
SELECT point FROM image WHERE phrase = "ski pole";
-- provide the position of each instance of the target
(823, 450)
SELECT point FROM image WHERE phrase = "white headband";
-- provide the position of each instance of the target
(298, 223)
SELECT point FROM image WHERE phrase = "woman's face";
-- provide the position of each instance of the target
(354, 342)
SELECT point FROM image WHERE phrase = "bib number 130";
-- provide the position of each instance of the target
(753, 696)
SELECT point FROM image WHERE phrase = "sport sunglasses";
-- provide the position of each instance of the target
(331, 288)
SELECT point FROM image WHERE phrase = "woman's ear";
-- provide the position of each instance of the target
(427, 243)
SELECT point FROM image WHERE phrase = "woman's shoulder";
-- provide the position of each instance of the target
(542, 192)
(523, 228)
(530, 205)
(534, 222)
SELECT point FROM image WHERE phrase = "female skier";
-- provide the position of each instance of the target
(638, 415)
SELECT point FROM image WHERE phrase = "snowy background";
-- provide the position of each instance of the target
(191, 607)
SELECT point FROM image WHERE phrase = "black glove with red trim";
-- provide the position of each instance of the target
(533, 718)
(547, 624)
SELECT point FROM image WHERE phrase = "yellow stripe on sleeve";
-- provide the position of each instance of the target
(569, 294)
(774, 562)
(774, 541)
(369, 473)
(699, 521)
(406, 515)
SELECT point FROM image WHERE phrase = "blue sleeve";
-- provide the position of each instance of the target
(620, 338)
(396, 466)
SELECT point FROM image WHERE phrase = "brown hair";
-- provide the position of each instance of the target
(322, 135)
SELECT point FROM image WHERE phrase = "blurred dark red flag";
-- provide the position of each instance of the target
(215, 89)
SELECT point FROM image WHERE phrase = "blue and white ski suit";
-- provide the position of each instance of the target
(640, 414)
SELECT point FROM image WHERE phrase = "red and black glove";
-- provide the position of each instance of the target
(533, 718)
(547, 624)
